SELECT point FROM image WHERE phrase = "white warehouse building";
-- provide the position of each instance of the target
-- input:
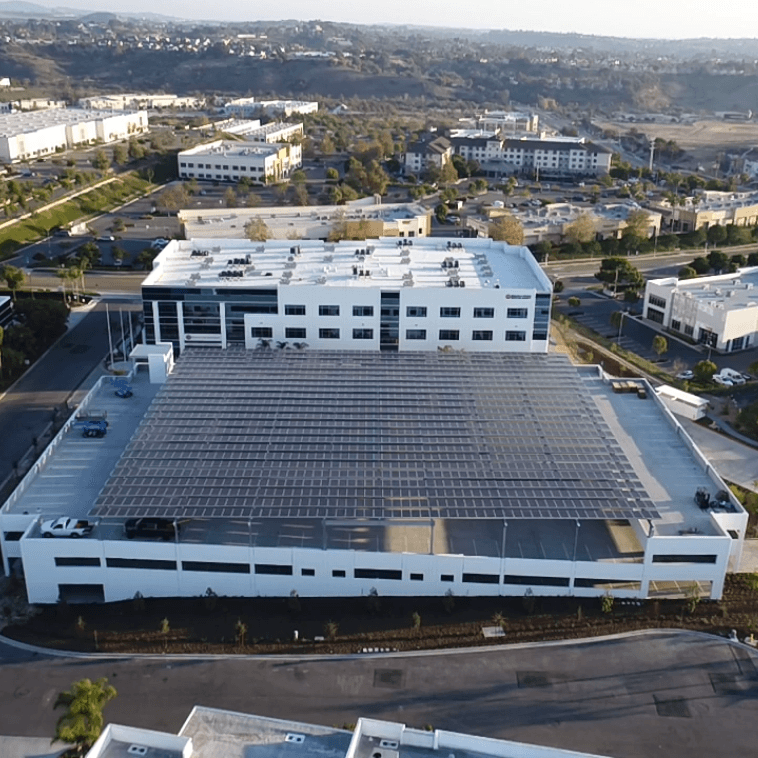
(230, 161)
(24, 136)
(720, 312)
(383, 294)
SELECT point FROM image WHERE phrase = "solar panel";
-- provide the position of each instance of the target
(325, 434)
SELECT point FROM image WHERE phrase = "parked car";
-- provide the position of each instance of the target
(685, 375)
(159, 244)
(150, 528)
(66, 527)
(735, 377)
(722, 381)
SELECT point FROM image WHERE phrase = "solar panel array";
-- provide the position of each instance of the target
(298, 434)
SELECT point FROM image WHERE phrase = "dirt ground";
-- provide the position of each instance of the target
(703, 140)
(338, 625)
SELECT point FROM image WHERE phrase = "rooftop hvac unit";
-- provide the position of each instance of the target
(298, 739)
(136, 750)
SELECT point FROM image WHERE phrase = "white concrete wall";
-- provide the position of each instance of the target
(43, 576)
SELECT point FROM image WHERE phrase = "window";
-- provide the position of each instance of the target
(676, 325)
(415, 334)
(518, 312)
(363, 310)
(308, 572)
(447, 578)
(515, 337)
(449, 334)
(216, 567)
(273, 568)
(659, 302)
(369, 573)
(339, 573)
(684, 558)
(655, 315)
(537, 581)
(294, 333)
(689, 330)
(329, 334)
(481, 336)
(328, 310)
(66, 561)
(140, 563)
(450, 312)
(417, 577)
(416, 311)
(262, 332)
(482, 578)
(363, 334)
(484, 313)
(294, 310)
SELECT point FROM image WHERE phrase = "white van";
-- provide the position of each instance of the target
(735, 377)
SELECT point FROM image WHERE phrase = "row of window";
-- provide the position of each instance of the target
(445, 335)
(275, 569)
(658, 302)
(411, 311)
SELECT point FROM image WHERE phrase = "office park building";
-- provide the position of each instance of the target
(388, 294)
(367, 463)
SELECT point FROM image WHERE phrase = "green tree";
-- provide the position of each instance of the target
(298, 177)
(716, 235)
(581, 230)
(687, 273)
(617, 271)
(14, 278)
(448, 174)
(120, 154)
(704, 371)
(332, 175)
(327, 145)
(100, 161)
(574, 302)
(660, 345)
(230, 198)
(718, 261)
(701, 265)
(508, 229)
(136, 150)
(173, 198)
(256, 230)
(83, 720)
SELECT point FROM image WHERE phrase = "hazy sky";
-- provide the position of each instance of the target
(672, 19)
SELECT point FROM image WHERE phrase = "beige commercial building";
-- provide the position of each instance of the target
(363, 219)
(709, 209)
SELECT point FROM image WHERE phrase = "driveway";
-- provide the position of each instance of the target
(659, 694)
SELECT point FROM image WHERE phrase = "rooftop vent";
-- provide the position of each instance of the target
(136, 750)
(298, 739)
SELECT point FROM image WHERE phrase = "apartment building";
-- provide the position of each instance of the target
(430, 150)
(225, 160)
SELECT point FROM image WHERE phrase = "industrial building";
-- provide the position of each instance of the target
(245, 107)
(211, 733)
(720, 312)
(359, 219)
(342, 473)
(378, 294)
(229, 161)
(24, 136)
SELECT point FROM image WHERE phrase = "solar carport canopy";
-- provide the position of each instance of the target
(272, 433)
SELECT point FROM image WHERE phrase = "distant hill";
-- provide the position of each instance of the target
(18, 9)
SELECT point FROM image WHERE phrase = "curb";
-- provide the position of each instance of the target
(621, 636)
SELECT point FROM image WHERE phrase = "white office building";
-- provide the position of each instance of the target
(24, 136)
(720, 312)
(230, 161)
(212, 733)
(245, 107)
(381, 294)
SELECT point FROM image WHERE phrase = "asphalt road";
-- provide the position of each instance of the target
(664, 694)
(28, 406)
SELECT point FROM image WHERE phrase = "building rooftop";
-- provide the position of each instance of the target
(722, 292)
(231, 149)
(12, 124)
(386, 262)
(310, 221)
